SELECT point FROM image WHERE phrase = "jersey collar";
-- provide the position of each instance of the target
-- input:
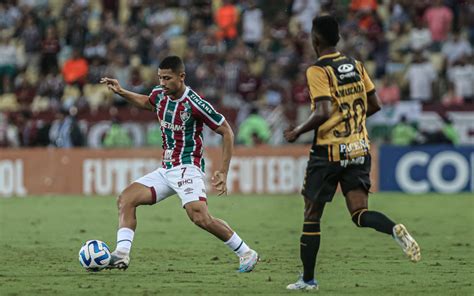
(185, 94)
(331, 55)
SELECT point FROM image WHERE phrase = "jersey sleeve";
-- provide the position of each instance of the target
(369, 85)
(318, 83)
(153, 97)
(207, 114)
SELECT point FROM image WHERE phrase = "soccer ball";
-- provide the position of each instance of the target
(94, 255)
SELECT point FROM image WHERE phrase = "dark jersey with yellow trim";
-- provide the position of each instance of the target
(345, 82)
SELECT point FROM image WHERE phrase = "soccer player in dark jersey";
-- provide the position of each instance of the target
(182, 114)
(342, 96)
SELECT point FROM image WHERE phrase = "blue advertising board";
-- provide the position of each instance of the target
(420, 169)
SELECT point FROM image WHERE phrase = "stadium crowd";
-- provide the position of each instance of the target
(245, 57)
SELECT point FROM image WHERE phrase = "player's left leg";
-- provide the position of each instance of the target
(199, 214)
(188, 183)
(355, 184)
(357, 204)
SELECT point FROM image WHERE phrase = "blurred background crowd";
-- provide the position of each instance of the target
(248, 58)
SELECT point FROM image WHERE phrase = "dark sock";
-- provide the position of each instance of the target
(373, 219)
(309, 247)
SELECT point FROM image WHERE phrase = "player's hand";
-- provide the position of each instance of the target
(291, 135)
(111, 84)
(219, 181)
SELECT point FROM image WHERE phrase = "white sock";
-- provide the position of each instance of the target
(124, 240)
(236, 244)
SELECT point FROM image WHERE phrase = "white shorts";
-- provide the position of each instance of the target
(185, 180)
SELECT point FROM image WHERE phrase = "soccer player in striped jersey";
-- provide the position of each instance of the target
(182, 114)
(342, 97)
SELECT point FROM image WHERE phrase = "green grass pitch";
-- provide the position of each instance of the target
(41, 236)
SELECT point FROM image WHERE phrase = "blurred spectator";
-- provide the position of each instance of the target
(252, 24)
(254, 129)
(439, 19)
(450, 98)
(421, 76)
(9, 15)
(231, 70)
(96, 70)
(52, 87)
(264, 64)
(8, 60)
(211, 80)
(388, 91)
(456, 48)
(249, 84)
(27, 129)
(24, 91)
(403, 133)
(304, 11)
(420, 36)
(135, 82)
(75, 69)
(31, 38)
(399, 42)
(197, 33)
(49, 51)
(9, 135)
(65, 132)
(449, 131)
(447, 134)
(461, 75)
(95, 49)
(227, 17)
(363, 5)
(117, 136)
(299, 90)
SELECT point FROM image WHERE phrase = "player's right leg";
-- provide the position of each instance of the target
(147, 190)
(133, 196)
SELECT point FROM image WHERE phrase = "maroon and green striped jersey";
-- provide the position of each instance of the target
(182, 121)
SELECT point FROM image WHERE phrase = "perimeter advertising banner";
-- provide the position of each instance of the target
(107, 172)
(443, 169)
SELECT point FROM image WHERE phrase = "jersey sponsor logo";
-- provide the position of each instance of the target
(345, 68)
(355, 161)
(202, 104)
(348, 75)
(172, 126)
(347, 71)
(352, 147)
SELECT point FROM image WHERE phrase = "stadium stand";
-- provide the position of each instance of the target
(258, 62)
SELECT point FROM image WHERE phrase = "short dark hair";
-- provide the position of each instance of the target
(327, 27)
(172, 62)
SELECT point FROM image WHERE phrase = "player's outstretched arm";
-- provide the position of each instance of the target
(134, 98)
(373, 104)
(320, 114)
(219, 179)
